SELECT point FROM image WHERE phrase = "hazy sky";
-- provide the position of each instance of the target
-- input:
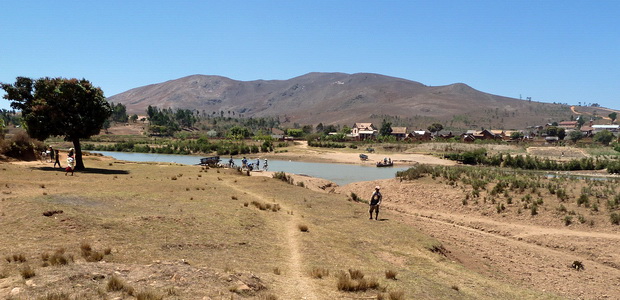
(552, 51)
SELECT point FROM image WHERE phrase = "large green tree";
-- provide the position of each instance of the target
(613, 116)
(386, 128)
(72, 108)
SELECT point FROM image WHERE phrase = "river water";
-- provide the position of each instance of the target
(341, 174)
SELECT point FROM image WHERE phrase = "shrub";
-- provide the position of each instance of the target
(397, 295)
(390, 274)
(27, 272)
(568, 220)
(59, 258)
(303, 227)
(19, 257)
(614, 218)
(56, 296)
(534, 209)
(282, 176)
(346, 284)
(562, 208)
(583, 199)
(149, 295)
(319, 273)
(21, 146)
(356, 274)
(116, 284)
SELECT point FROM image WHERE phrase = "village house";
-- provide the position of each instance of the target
(586, 130)
(500, 134)
(611, 128)
(399, 132)
(419, 135)
(448, 135)
(363, 131)
(568, 124)
(473, 135)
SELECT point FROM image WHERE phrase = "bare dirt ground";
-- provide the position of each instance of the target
(536, 251)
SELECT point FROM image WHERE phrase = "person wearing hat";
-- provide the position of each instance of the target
(375, 201)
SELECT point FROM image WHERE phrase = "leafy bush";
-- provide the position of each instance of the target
(614, 218)
(21, 146)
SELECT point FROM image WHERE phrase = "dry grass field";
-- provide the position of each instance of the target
(165, 231)
(532, 232)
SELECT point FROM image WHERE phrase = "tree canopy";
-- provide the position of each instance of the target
(386, 128)
(435, 127)
(604, 137)
(72, 108)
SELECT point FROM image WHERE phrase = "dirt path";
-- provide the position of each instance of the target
(572, 108)
(296, 284)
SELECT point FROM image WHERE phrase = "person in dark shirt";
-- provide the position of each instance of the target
(375, 201)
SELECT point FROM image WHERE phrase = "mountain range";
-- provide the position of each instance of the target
(339, 98)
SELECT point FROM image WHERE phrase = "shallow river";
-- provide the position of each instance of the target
(341, 174)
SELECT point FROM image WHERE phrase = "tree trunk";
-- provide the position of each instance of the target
(79, 163)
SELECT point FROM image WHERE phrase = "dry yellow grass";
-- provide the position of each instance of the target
(187, 235)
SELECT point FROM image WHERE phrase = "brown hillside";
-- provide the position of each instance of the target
(344, 99)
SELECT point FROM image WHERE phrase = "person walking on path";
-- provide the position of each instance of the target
(70, 165)
(57, 156)
(375, 201)
(52, 154)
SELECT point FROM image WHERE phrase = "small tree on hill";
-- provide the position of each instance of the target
(613, 117)
(580, 121)
(435, 127)
(71, 108)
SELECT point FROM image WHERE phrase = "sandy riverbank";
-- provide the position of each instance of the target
(301, 152)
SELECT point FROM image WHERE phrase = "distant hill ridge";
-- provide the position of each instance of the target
(343, 99)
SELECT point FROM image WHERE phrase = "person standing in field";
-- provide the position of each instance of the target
(57, 156)
(375, 201)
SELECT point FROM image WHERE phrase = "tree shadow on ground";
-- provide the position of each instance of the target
(88, 171)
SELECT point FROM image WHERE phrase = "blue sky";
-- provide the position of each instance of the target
(552, 51)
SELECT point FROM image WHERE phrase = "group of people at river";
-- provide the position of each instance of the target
(245, 164)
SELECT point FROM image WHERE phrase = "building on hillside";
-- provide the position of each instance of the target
(598, 128)
(399, 132)
(363, 131)
(586, 130)
(568, 124)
